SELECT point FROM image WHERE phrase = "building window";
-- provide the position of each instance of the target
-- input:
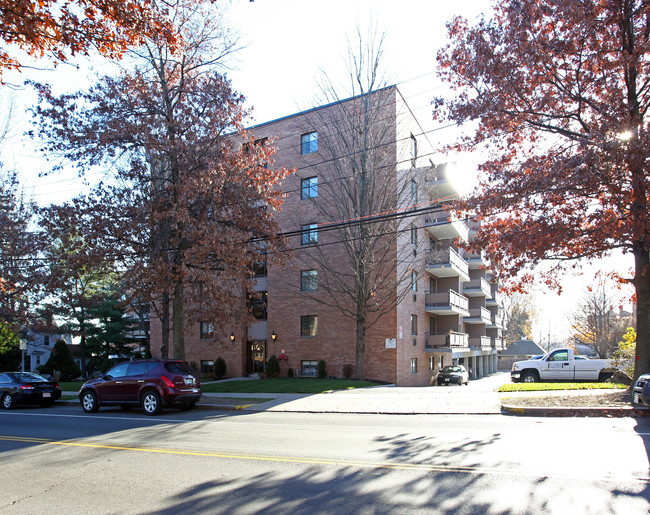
(414, 280)
(309, 143)
(309, 188)
(38, 360)
(207, 330)
(46, 339)
(414, 150)
(309, 234)
(440, 362)
(432, 363)
(308, 325)
(258, 306)
(308, 280)
(414, 234)
(207, 367)
(414, 365)
(309, 368)
(414, 192)
(414, 325)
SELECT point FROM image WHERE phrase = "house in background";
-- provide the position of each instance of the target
(520, 350)
(442, 309)
(40, 345)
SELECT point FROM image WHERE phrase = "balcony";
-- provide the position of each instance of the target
(446, 262)
(442, 227)
(477, 260)
(496, 321)
(478, 316)
(481, 342)
(477, 288)
(445, 340)
(496, 300)
(498, 343)
(446, 303)
(438, 182)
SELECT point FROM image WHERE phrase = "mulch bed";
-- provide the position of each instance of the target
(621, 399)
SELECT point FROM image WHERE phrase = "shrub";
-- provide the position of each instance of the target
(272, 367)
(348, 370)
(219, 367)
(624, 355)
(322, 369)
(290, 372)
(147, 353)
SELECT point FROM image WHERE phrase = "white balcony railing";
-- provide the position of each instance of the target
(448, 339)
(449, 299)
(477, 287)
(482, 342)
(446, 262)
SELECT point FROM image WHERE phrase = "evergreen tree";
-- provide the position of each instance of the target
(61, 361)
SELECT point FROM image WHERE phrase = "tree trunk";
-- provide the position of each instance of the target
(164, 322)
(642, 288)
(360, 349)
(178, 329)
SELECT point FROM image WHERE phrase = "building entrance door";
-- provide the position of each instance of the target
(255, 356)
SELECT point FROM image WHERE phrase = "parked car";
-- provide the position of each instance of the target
(27, 388)
(641, 391)
(453, 374)
(151, 384)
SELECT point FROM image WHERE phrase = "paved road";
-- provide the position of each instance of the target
(63, 461)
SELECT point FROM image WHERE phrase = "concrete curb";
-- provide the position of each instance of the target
(605, 411)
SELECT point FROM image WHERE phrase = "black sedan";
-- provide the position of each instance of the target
(453, 374)
(27, 388)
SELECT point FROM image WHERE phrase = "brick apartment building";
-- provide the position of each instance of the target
(365, 183)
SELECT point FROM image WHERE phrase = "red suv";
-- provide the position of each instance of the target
(149, 383)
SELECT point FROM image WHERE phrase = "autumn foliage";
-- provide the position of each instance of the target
(558, 93)
(62, 29)
(186, 207)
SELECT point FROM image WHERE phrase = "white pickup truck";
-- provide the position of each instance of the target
(561, 365)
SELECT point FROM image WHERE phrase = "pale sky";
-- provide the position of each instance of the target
(288, 43)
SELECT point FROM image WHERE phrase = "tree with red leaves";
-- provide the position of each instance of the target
(187, 208)
(59, 30)
(559, 94)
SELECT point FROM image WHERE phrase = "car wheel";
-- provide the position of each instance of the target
(89, 401)
(528, 377)
(151, 403)
(187, 407)
(8, 401)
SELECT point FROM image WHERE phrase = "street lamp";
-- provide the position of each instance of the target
(232, 337)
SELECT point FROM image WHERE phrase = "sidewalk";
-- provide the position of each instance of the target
(478, 398)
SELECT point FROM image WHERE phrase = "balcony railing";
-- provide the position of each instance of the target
(448, 339)
(446, 262)
(449, 302)
(497, 298)
(478, 316)
(443, 228)
(477, 288)
(498, 343)
(482, 342)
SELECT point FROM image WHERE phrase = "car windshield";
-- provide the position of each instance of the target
(451, 369)
(28, 378)
(179, 367)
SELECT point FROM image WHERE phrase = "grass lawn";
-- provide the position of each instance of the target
(541, 387)
(70, 386)
(285, 385)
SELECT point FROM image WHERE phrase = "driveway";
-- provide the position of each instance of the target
(479, 397)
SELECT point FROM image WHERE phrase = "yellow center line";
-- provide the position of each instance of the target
(315, 461)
